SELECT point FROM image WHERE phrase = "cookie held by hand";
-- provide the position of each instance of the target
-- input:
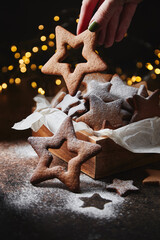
(84, 150)
(55, 66)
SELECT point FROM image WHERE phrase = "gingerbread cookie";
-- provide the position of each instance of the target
(55, 66)
(153, 178)
(102, 115)
(121, 186)
(84, 150)
(78, 110)
(123, 91)
(69, 101)
(99, 89)
(145, 107)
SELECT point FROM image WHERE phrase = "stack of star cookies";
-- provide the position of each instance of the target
(99, 99)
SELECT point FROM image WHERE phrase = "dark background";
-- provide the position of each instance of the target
(19, 19)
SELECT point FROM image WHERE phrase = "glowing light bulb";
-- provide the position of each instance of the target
(157, 71)
(4, 85)
(1, 88)
(17, 55)
(11, 80)
(44, 47)
(51, 43)
(129, 82)
(58, 82)
(56, 18)
(41, 27)
(156, 62)
(35, 49)
(13, 48)
(23, 69)
(28, 54)
(33, 67)
(77, 20)
(153, 76)
(10, 68)
(138, 79)
(33, 84)
(43, 38)
(149, 66)
(17, 81)
(51, 35)
(40, 66)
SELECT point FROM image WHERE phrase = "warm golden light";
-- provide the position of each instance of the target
(17, 81)
(13, 48)
(11, 80)
(33, 84)
(56, 18)
(41, 91)
(27, 61)
(133, 78)
(0, 88)
(21, 61)
(68, 47)
(77, 20)
(156, 51)
(43, 38)
(52, 36)
(58, 82)
(17, 55)
(23, 69)
(96, 52)
(33, 67)
(28, 54)
(41, 27)
(10, 68)
(40, 66)
(149, 66)
(129, 82)
(4, 85)
(156, 62)
(157, 71)
(51, 43)
(35, 49)
(139, 64)
(138, 79)
(158, 54)
(44, 47)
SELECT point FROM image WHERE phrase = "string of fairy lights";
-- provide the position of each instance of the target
(26, 63)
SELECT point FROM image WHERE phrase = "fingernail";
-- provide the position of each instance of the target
(93, 26)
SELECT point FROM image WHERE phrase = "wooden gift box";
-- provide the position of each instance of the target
(112, 159)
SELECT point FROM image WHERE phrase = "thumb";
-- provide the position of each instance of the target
(102, 15)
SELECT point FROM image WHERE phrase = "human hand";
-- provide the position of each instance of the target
(110, 18)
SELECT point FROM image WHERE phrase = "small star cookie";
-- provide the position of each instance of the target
(153, 178)
(145, 107)
(94, 63)
(102, 115)
(121, 186)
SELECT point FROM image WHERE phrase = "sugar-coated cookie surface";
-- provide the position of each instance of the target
(55, 66)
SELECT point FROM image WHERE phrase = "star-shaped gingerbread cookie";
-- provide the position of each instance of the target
(94, 63)
(102, 115)
(83, 149)
(94, 201)
(153, 178)
(122, 186)
(145, 107)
